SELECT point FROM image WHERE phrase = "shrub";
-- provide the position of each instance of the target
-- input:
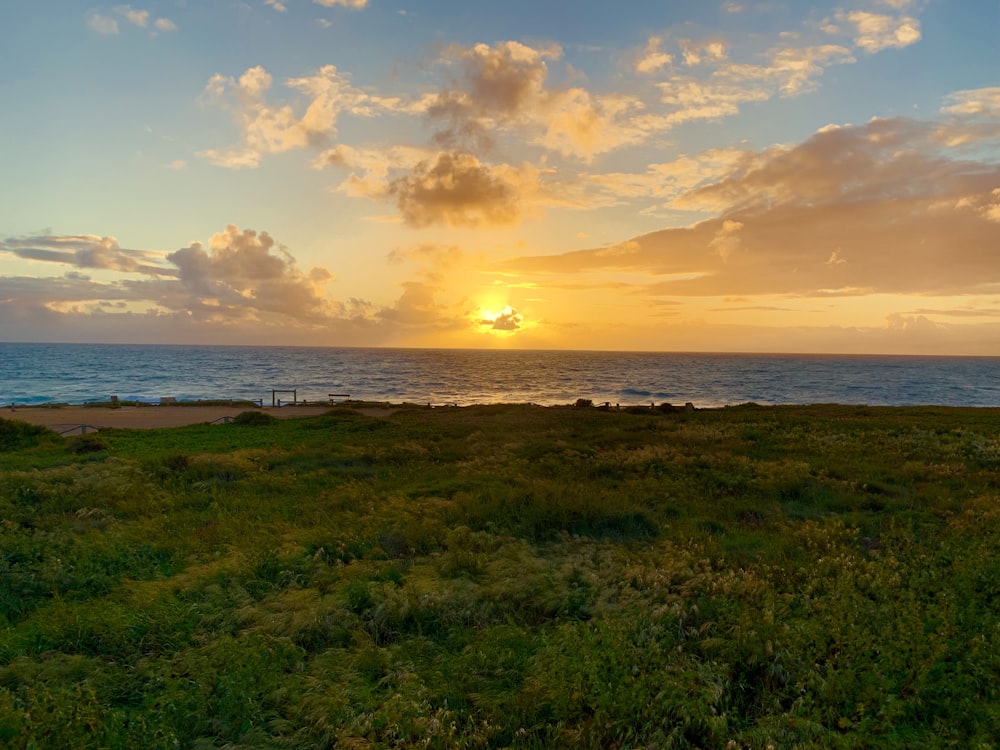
(253, 418)
(86, 444)
(15, 436)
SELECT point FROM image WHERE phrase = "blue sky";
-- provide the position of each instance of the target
(765, 176)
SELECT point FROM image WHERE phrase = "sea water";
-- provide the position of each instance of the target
(78, 373)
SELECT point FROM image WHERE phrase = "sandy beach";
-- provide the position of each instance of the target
(69, 419)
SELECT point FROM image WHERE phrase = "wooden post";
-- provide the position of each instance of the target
(275, 401)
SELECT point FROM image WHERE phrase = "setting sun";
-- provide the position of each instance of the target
(506, 321)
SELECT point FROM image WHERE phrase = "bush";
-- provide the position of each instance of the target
(253, 418)
(87, 444)
(15, 436)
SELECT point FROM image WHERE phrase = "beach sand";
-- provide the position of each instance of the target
(68, 419)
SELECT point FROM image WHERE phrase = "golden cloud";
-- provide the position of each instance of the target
(653, 57)
(274, 129)
(868, 209)
(875, 32)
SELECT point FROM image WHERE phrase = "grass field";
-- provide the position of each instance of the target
(506, 576)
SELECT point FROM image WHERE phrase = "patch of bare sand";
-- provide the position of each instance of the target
(65, 418)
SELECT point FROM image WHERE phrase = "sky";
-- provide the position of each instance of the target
(692, 175)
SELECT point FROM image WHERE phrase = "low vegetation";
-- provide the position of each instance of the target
(506, 576)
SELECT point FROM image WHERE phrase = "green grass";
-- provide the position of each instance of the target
(506, 576)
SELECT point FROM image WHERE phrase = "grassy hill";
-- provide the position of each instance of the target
(506, 576)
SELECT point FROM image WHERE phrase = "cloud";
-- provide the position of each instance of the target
(246, 270)
(508, 319)
(697, 53)
(873, 209)
(106, 24)
(984, 102)
(496, 86)
(793, 70)
(428, 302)
(87, 251)
(653, 57)
(836, 259)
(353, 4)
(438, 257)
(102, 24)
(718, 81)
(578, 123)
(458, 190)
(885, 157)
(277, 5)
(416, 306)
(452, 188)
(966, 312)
(30, 291)
(788, 71)
(875, 32)
(726, 240)
(274, 129)
(670, 180)
(991, 210)
(502, 88)
(373, 164)
(694, 99)
(135, 17)
(239, 274)
(973, 118)
(242, 286)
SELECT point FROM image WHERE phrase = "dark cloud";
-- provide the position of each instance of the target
(240, 275)
(508, 319)
(67, 289)
(497, 84)
(87, 251)
(246, 270)
(458, 190)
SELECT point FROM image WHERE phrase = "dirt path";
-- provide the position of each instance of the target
(65, 418)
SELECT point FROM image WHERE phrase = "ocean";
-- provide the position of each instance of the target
(79, 373)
